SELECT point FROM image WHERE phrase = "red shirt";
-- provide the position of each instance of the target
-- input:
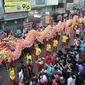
(40, 66)
(54, 83)
(47, 60)
(53, 59)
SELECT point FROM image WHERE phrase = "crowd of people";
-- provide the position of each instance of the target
(64, 66)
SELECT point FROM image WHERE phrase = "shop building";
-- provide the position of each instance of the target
(43, 7)
(15, 13)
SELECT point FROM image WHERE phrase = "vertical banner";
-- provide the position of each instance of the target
(47, 17)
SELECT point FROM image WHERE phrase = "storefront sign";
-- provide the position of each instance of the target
(47, 17)
(15, 0)
(16, 7)
(10, 16)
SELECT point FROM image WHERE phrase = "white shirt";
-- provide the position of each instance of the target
(71, 81)
(21, 76)
(24, 30)
(44, 78)
(77, 57)
(77, 31)
(81, 41)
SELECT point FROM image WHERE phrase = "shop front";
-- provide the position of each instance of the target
(14, 21)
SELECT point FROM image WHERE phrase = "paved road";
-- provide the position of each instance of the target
(5, 74)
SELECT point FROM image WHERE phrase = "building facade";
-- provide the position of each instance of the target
(41, 7)
(1, 14)
(52, 6)
(76, 3)
(14, 13)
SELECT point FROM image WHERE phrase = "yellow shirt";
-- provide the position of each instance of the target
(38, 51)
(12, 74)
(55, 43)
(48, 48)
(9, 60)
(80, 25)
(27, 62)
(64, 38)
(75, 28)
(35, 45)
(31, 83)
(27, 58)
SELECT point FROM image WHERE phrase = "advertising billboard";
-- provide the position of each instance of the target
(17, 7)
(15, 1)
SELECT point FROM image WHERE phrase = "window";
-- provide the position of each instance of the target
(60, 5)
(39, 2)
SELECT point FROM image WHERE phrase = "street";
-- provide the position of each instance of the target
(5, 74)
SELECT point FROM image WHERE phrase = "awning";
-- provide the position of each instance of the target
(14, 18)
